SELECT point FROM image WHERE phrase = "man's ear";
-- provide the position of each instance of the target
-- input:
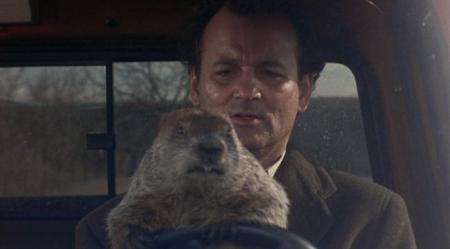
(194, 89)
(306, 86)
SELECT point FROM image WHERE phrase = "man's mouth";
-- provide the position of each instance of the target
(245, 118)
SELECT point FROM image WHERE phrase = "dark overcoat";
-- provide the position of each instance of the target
(331, 209)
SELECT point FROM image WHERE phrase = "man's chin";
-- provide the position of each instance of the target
(252, 137)
(251, 143)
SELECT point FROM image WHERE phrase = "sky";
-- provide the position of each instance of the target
(336, 80)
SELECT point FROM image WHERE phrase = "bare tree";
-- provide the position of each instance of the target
(64, 86)
(163, 83)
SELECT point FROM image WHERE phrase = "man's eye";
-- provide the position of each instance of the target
(224, 73)
(272, 74)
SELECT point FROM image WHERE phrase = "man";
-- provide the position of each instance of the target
(254, 61)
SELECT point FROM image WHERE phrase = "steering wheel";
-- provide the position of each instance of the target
(245, 235)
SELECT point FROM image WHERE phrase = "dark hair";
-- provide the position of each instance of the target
(310, 61)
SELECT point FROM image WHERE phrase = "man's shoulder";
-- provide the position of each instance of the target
(344, 193)
(334, 209)
(378, 215)
(341, 182)
(368, 205)
(362, 191)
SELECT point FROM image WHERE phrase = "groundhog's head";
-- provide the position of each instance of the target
(195, 148)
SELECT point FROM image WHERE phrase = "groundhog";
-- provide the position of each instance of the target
(196, 173)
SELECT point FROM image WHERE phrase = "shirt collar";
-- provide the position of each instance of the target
(273, 169)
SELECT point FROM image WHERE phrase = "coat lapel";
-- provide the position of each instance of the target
(307, 187)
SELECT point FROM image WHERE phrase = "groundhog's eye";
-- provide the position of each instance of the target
(180, 130)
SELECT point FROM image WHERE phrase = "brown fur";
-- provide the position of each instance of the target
(164, 193)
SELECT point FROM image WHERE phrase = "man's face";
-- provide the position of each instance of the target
(249, 70)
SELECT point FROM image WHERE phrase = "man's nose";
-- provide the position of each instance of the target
(248, 87)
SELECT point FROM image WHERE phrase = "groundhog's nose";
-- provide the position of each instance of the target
(211, 150)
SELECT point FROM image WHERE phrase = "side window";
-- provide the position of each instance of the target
(331, 133)
(142, 92)
(45, 113)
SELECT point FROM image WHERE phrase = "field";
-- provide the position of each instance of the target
(43, 147)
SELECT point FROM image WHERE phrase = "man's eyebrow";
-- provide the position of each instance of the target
(229, 61)
(272, 64)
(265, 63)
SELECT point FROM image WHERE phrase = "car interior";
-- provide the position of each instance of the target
(83, 85)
